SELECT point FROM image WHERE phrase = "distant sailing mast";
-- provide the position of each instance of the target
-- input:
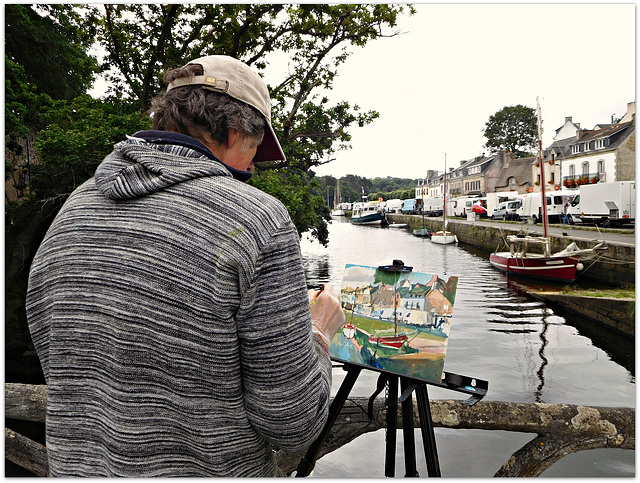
(337, 211)
(444, 237)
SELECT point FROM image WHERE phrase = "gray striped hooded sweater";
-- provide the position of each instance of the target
(169, 310)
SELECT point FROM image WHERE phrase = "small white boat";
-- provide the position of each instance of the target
(444, 238)
(398, 225)
(337, 212)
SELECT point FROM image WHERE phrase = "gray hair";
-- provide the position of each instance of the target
(201, 113)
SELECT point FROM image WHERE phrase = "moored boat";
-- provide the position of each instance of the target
(444, 237)
(560, 266)
(422, 232)
(368, 214)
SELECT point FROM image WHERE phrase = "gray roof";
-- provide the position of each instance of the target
(520, 169)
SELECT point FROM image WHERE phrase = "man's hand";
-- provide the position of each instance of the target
(326, 314)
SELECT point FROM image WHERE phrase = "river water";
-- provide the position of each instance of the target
(523, 349)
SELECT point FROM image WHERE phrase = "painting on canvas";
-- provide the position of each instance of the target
(396, 322)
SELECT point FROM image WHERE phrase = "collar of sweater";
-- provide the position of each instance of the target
(168, 137)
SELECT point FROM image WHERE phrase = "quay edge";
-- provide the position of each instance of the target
(615, 269)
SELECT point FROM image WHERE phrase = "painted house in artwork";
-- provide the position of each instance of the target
(382, 296)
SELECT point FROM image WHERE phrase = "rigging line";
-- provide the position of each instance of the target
(591, 265)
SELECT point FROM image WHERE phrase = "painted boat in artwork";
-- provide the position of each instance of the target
(391, 342)
(349, 330)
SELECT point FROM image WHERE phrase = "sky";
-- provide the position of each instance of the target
(436, 86)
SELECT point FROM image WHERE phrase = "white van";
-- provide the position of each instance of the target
(393, 206)
(558, 204)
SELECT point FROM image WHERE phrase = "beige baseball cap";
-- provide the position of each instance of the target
(236, 79)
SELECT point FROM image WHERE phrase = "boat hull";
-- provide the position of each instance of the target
(445, 238)
(548, 268)
(376, 218)
(422, 232)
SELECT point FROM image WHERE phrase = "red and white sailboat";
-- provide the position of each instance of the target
(560, 266)
(391, 342)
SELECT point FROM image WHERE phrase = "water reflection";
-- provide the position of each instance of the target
(543, 359)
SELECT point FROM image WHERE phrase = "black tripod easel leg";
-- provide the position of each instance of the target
(428, 435)
(408, 430)
(392, 426)
(308, 462)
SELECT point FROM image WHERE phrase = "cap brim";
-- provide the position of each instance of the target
(269, 149)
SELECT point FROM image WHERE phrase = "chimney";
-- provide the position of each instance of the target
(580, 133)
(631, 112)
(567, 119)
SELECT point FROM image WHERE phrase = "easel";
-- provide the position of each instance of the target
(476, 388)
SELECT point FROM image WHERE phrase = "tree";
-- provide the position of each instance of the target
(51, 48)
(513, 129)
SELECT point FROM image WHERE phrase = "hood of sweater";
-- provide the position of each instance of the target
(150, 161)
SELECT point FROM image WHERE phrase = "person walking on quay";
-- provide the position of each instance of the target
(168, 303)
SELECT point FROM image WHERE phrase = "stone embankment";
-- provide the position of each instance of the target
(615, 268)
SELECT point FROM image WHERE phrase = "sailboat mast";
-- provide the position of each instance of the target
(444, 196)
(543, 200)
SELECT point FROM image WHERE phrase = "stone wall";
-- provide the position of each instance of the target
(617, 314)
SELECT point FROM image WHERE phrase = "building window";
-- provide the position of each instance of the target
(585, 169)
(572, 170)
(601, 166)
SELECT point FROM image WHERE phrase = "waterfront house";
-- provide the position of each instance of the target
(516, 176)
(474, 177)
(605, 153)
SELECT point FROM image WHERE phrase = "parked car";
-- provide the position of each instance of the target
(506, 210)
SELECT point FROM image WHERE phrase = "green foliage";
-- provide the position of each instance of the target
(351, 187)
(53, 54)
(301, 194)
(78, 136)
(513, 129)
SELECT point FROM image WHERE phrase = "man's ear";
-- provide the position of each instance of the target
(232, 137)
